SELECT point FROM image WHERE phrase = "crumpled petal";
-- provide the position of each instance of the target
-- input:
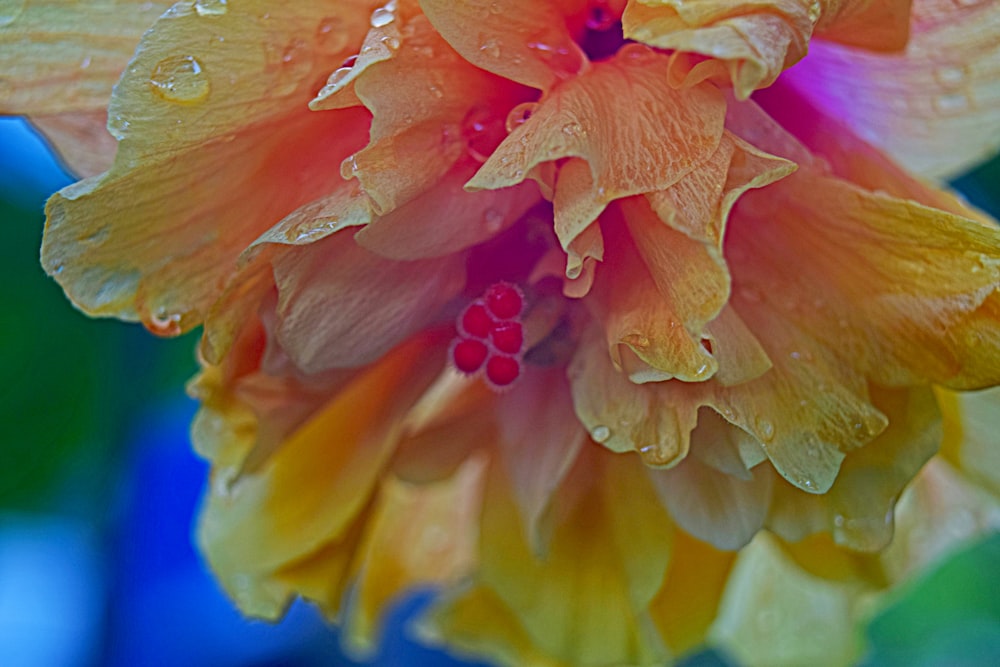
(933, 108)
(421, 117)
(210, 110)
(669, 134)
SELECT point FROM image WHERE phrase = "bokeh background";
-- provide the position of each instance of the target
(98, 489)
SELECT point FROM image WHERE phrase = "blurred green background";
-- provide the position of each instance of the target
(95, 457)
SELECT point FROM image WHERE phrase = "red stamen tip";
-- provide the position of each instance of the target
(468, 355)
(504, 300)
(507, 337)
(502, 370)
(476, 321)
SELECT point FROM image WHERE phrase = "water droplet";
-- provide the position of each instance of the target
(163, 323)
(436, 92)
(572, 129)
(951, 103)
(10, 10)
(493, 220)
(495, 8)
(950, 75)
(85, 63)
(765, 430)
(519, 115)
(382, 17)
(490, 47)
(210, 7)
(815, 10)
(180, 79)
(391, 42)
(565, 60)
(600, 433)
(349, 167)
(636, 51)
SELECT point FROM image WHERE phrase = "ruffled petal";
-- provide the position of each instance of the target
(858, 508)
(750, 43)
(635, 134)
(527, 41)
(424, 118)
(59, 57)
(309, 491)
(932, 108)
(216, 145)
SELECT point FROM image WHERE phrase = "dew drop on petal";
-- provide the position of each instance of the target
(765, 430)
(565, 61)
(349, 167)
(210, 7)
(331, 35)
(382, 17)
(950, 75)
(519, 115)
(951, 103)
(163, 323)
(493, 220)
(600, 433)
(180, 79)
(491, 47)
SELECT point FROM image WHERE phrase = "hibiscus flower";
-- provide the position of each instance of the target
(624, 324)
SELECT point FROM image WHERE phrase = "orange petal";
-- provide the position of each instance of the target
(59, 57)
(310, 490)
(340, 306)
(81, 140)
(422, 117)
(932, 108)
(526, 41)
(714, 506)
(538, 441)
(653, 419)
(636, 134)
(215, 147)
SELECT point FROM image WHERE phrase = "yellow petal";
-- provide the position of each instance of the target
(636, 134)
(933, 107)
(773, 613)
(418, 535)
(608, 553)
(970, 434)
(858, 508)
(522, 40)
(215, 147)
(687, 603)
(63, 56)
(309, 491)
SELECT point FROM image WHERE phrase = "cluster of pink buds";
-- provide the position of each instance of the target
(491, 336)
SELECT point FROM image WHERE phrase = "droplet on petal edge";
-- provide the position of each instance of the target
(210, 7)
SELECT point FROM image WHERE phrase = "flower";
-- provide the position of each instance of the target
(621, 340)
